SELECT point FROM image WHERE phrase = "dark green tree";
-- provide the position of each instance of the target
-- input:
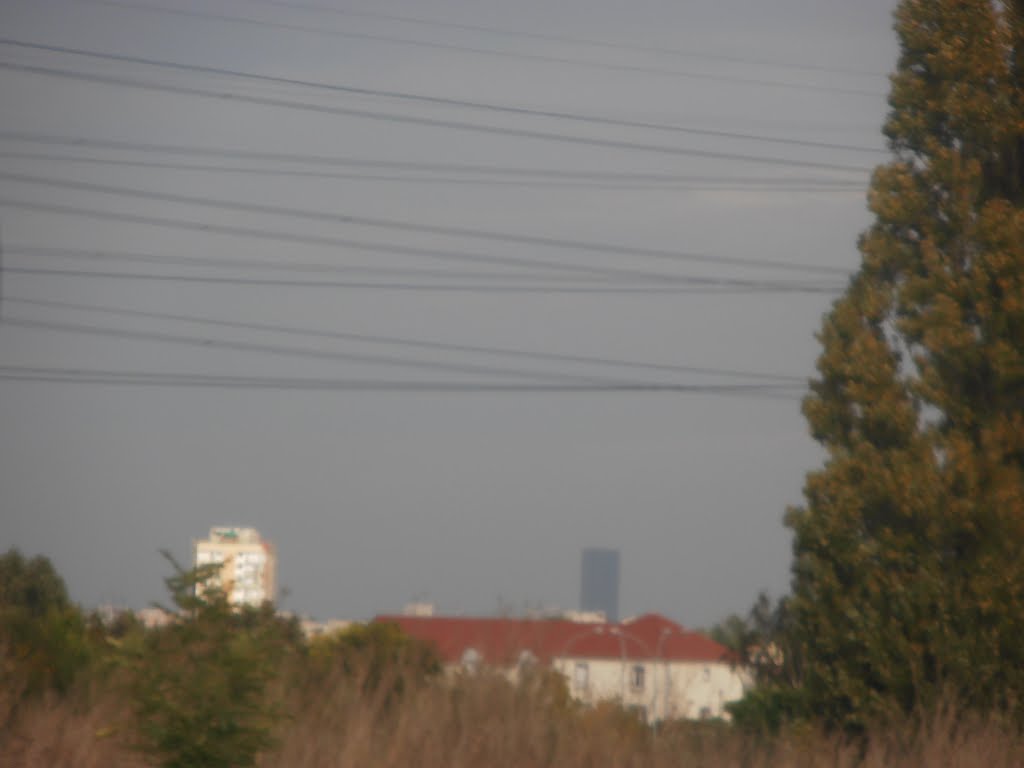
(908, 577)
(763, 641)
(43, 637)
(735, 633)
(31, 585)
(766, 644)
(375, 655)
(200, 684)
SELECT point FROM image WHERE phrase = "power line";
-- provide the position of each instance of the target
(160, 379)
(235, 264)
(289, 237)
(672, 283)
(399, 165)
(639, 69)
(724, 185)
(436, 100)
(611, 280)
(703, 287)
(607, 272)
(433, 229)
(300, 352)
(567, 39)
(425, 121)
(414, 343)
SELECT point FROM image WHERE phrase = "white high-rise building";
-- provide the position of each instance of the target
(248, 564)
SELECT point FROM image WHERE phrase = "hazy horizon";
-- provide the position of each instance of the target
(434, 295)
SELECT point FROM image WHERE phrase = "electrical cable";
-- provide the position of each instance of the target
(567, 39)
(300, 352)
(400, 165)
(639, 69)
(793, 186)
(615, 278)
(418, 228)
(159, 379)
(368, 114)
(235, 264)
(376, 247)
(436, 100)
(710, 286)
(405, 342)
(334, 242)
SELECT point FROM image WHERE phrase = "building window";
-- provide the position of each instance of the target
(707, 673)
(581, 676)
(636, 678)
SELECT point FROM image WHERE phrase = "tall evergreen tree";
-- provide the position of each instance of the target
(908, 568)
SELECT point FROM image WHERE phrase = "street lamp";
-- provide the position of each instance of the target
(622, 662)
(665, 632)
(622, 636)
(571, 673)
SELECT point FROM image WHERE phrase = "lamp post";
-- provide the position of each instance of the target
(622, 662)
(665, 632)
(596, 630)
(622, 636)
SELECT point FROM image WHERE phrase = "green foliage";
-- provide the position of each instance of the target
(200, 684)
(49, 651)
(766, 708)
(764, 641)
(42, 635)
(734, 633)
(375, 654)
(907, 575)
(32, 586)
(767, 643)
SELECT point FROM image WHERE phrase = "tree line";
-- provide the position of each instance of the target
(205, 689)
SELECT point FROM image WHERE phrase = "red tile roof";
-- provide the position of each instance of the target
(501, 642)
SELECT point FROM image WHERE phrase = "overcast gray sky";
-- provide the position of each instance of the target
(491, 282)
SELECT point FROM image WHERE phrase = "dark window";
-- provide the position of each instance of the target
(636, 678)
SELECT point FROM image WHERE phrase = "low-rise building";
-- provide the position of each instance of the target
(650, 664)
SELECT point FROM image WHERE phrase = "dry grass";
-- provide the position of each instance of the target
(482, 721)
(81, 730)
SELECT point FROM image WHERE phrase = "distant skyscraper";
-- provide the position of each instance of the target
(600, 582)
(248, 564)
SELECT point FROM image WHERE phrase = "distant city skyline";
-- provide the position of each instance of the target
(599, 581)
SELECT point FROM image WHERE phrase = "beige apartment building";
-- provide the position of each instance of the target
(248, 564)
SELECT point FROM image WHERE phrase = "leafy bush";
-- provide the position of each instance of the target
(42, 635)
(375, 654)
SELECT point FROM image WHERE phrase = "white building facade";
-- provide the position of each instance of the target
(247, 564)
(650, 664)
(656, 689)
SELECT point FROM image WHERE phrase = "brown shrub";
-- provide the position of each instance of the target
(84, 729)
(481, 720)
